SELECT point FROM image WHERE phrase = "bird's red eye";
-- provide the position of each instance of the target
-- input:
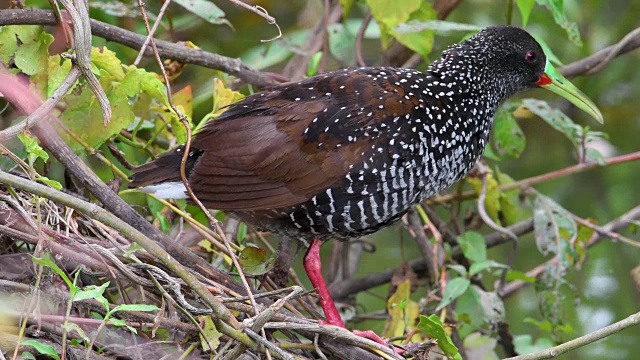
(531, 56)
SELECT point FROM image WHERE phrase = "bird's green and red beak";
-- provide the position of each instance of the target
(552, 80)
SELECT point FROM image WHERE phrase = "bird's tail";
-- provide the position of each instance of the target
(162, 175)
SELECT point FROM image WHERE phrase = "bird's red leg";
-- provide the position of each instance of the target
(313, 266)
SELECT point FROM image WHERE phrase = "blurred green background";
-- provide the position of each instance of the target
(602, 291)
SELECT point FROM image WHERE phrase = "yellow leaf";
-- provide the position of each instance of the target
(223, 97)
(403, 312)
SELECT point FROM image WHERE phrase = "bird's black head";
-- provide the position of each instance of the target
(515, 61)
(500, 61)
(512, 52)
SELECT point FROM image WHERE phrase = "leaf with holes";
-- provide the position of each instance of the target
(455, 288)
(556, 118)
(552, 225)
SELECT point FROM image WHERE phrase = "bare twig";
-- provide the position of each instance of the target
(335, 332)
(596, 62)
(363, 28)
(297, 66)
(166, 49)
(151, 33)
(263, 13)
(633, 320)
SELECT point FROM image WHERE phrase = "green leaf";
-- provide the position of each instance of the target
(27, 356)
(44, 349)
(122, 323)
(255, 261)
(595, 155)
(121, 84)
(455, 288)
(484, 265)
(433, 327)
(525, 7)
(32, 56)
(90, 292)
(14, 36)
(469, 313)
(312, 67)
(71, 326)
(33, 149)
(242, 232)
(134, 307)
(492, 198)
(548, 52)
(552, 223)
(544, 325)
(106, 62)
(519, 275)
(131, 249)
(461, 270)
(53, 183)
(57, 70)
(421, 41)
(403, 11)
(212, 334)
(272, 53)
(156, 208)
(524, 344)
(512, 207)
(46, 260)
(473, 246)
(508, 137)
(207, 10)
(560, 17)
(341, 41)
(390, 16)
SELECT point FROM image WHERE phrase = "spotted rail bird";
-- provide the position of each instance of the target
(346, 153)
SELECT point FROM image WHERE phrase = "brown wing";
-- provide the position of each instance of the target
(281, 147)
